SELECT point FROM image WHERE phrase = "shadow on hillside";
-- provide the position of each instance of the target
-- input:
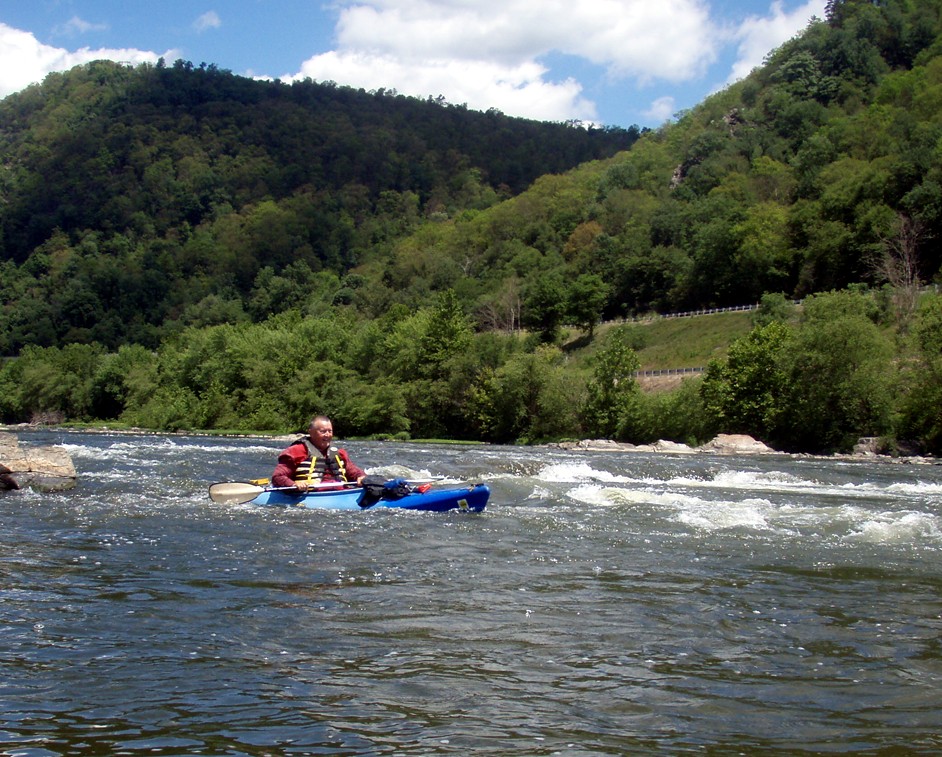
(580, 342)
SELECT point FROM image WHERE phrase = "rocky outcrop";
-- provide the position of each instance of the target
(735, 444)
(868, 446)
(46, 468)
(724, 444)
(743, 444)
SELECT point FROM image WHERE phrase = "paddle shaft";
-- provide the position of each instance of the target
(239, 492)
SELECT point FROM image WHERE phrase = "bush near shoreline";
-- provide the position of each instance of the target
(814, 380)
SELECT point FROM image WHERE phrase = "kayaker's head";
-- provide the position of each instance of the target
(321, 431)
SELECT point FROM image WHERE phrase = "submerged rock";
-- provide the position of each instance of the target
(48, 468)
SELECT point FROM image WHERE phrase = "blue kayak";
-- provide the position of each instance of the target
(466, 499)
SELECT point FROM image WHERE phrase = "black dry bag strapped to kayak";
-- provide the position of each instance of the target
(376, 488)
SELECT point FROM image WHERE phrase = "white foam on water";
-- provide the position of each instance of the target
(782, 482)
(748, 481)
(104, 475)
(609, 496)
(918, 488)
(143, 447)
(852, 522)
(396, 470)
(897, 528)
(690, 510)
(173, 445)
(576, 473)
(88, 453)
(751, 514)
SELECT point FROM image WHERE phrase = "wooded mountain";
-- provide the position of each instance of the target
(138, 201)
(821, 169)
(185, 249)
(130, 195)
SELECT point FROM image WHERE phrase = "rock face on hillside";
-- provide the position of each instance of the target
(47, 468)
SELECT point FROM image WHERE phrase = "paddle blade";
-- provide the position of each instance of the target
(234, 493)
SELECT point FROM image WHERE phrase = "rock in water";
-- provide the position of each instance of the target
(48, 468)
(736, 444)
(6, 479)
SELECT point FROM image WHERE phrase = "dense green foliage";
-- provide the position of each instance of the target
(817, 385)
(182, 248)
(800, 179)
(137, 201)
(809, 378)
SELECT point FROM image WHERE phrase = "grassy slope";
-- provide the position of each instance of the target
(689, 342)
(693, 341)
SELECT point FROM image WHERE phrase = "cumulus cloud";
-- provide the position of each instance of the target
(480, 84)
(488, 53)
(758, 36)
(495, 53)
(667, 39)
(24, 60)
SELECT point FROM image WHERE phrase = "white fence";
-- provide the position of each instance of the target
(669, 372)
(685, 314)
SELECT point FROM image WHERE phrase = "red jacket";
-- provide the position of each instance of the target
(296, 454)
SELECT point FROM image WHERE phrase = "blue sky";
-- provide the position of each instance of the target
(610, 62)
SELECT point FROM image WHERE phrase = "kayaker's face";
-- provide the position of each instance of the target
(321, 434)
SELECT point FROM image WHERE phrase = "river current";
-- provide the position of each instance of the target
(604, 604)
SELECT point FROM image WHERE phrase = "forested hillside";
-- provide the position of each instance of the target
(187, 249)
(797, 180)
(136, 200)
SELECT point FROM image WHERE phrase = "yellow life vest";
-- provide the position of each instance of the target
(318, 464)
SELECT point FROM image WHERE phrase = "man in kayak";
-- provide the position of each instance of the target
(312, 459)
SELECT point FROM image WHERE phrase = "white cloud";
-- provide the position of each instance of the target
(487, 53)
(209, 20)
(758, 36)
(76, 26)
(513, 89)
(493, 53)
(24, 60)
(670, 39)
(661, 110)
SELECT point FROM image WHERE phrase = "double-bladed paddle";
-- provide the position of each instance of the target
(240, 492)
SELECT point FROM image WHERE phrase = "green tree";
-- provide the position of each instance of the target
(840, 376)
(764, 260)
(677, 415)
(588, 295)
(612, 392)
(11, 403)
(744, 392)
(773, 306)
(124, 379)
(544, 305)
(59, 381)
(528, 398)
(921, 406)
(447, 335)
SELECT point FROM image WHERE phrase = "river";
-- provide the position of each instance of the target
(604, 604)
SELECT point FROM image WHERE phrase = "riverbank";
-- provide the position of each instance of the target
(739, 444)
(722, 444)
